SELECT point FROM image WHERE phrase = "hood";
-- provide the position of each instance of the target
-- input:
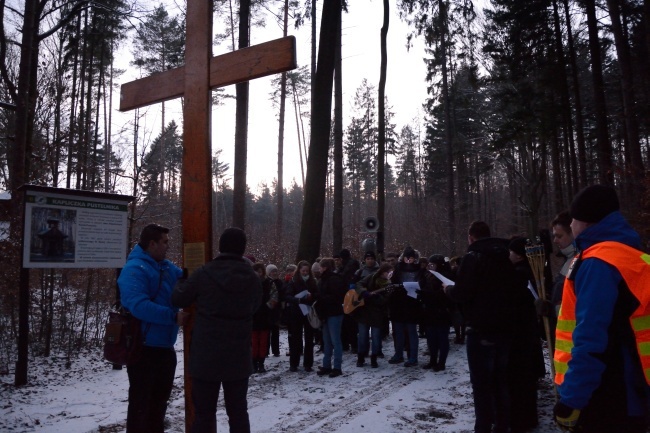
(496, 247)
(611, 228)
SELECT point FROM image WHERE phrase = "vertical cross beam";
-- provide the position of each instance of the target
(196, 184)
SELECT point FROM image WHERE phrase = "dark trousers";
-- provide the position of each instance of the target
(150, 385)
(487, 358)
(349, 333)
(297, 326)
(438, 341)
(275, 340)
(205, 395)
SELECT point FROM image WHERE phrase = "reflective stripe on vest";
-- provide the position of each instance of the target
(633, 266)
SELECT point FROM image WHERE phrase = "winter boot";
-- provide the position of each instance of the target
(361, 360)
(260, 366)
(373, 361)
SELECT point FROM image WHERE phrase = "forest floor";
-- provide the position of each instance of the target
(90, 397)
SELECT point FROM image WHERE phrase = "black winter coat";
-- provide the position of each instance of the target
(292, 306)
(437, 306)
(262, 317)
(403, 308)
(488, 287)
(227, 293)
(331, 293)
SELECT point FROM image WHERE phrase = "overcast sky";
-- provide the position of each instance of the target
(405, 89)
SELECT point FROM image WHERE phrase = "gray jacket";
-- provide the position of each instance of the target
(227, 293)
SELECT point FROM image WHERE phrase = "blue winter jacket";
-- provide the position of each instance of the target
(597, 290)
(142, 279)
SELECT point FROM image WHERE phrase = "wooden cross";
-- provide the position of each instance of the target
(201, 73)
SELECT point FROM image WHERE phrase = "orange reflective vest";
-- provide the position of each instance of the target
(634, 267)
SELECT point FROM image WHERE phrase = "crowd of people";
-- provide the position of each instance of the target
(489, 296)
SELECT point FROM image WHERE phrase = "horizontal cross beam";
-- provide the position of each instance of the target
(230, 68)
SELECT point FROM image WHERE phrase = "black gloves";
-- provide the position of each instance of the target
(567, 417)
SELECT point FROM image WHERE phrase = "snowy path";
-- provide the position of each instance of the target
(90, 397)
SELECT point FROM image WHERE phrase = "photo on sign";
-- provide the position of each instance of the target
(53, 235)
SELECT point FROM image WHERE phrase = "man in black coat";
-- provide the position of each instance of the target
(227, 293)
(487, 286)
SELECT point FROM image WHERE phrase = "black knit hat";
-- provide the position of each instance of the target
(233, 241)
(345, 254)
(594, 203)
(410, 252)
(438, 259)
(518, 246)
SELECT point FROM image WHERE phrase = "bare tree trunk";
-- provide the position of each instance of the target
(279, 221)
(73, 114)
(297, 114)
(605, 171)
(566, 106)
(635, 163)
(580, 136)
(311, 227)
(50, 315)
(381, 145)
(25, 103)
(451, 202)
(337, 211)
(241, 127)
(313, 54)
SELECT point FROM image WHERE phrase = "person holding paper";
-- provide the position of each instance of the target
(437, 312)
(405, 311)
(301, 291)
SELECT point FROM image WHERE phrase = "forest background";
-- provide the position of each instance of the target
(527, 103)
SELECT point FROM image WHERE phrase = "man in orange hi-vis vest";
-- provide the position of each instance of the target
(602, 354)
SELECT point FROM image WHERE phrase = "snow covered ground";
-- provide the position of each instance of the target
(91, 397)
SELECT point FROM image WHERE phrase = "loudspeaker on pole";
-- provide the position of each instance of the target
(371, 224)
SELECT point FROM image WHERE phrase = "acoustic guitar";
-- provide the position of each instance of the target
(352, 300)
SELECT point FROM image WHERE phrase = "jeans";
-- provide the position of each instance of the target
(412, 331)
(332, 341)
(438, 341)
(363, 343)
(205, 395)
(487, 358)
(150, 385)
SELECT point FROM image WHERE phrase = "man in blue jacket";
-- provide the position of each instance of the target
(146, 284)
(602, 387)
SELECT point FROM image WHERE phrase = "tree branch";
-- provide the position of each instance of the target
(4, 73)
